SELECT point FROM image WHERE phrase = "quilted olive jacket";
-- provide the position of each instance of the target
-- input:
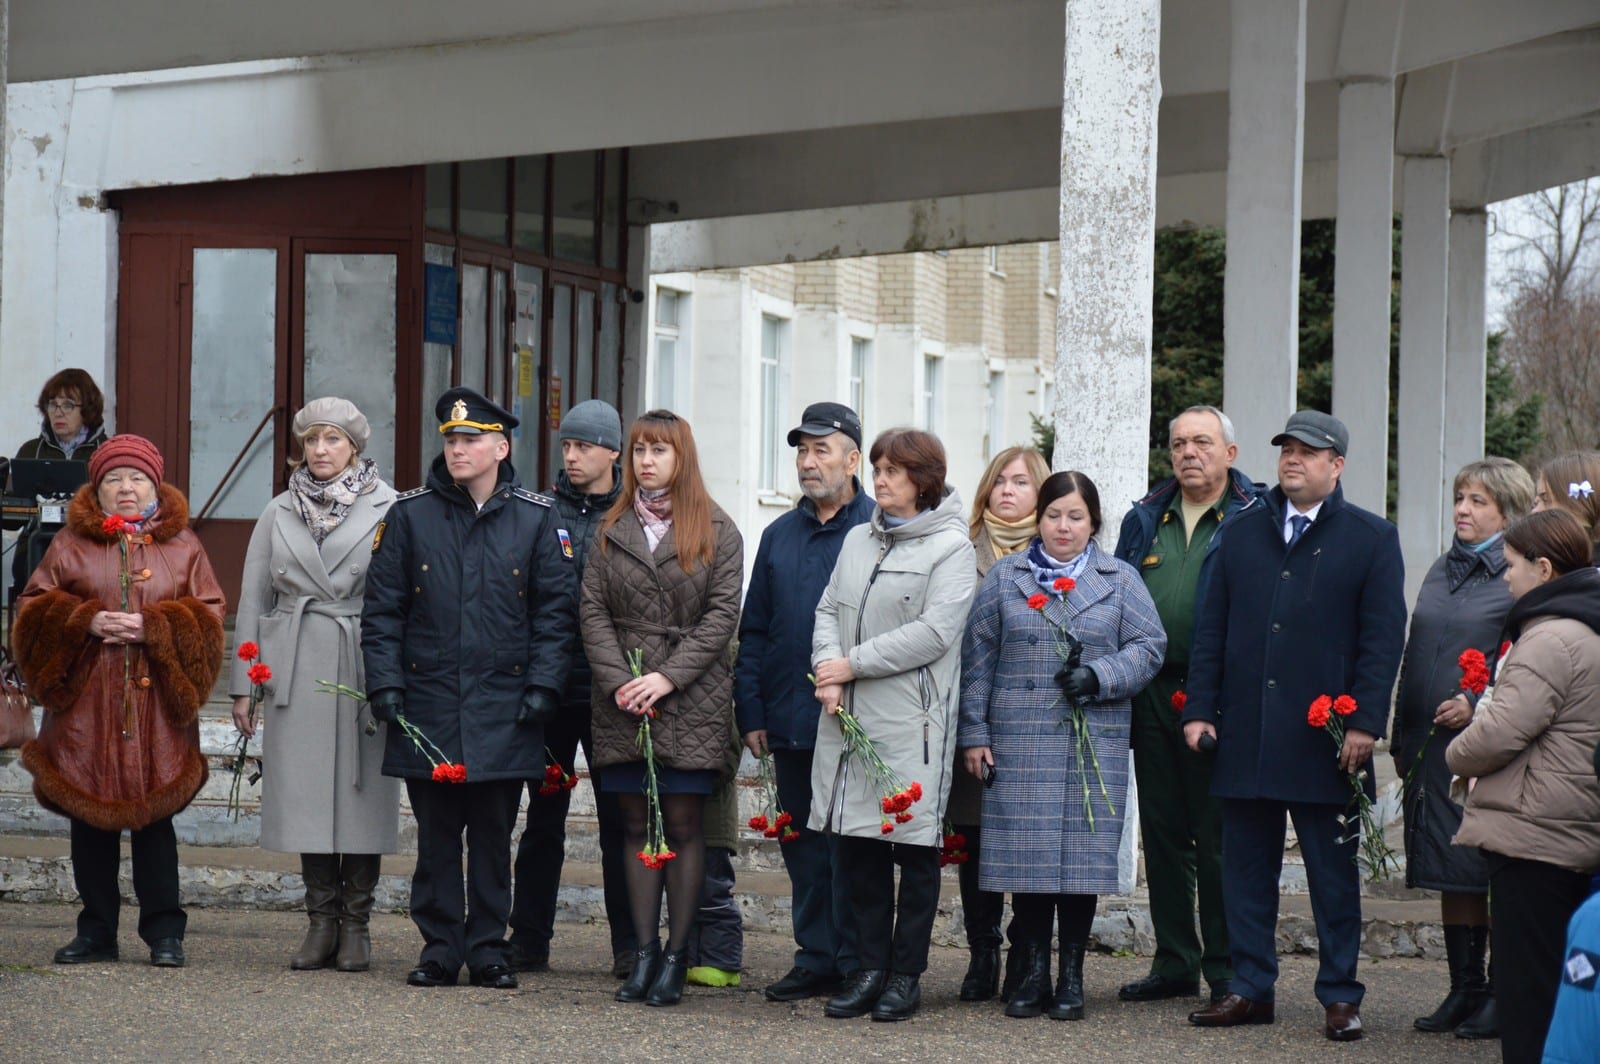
(682, 621)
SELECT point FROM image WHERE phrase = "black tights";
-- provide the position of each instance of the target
(1034, 912)
(681, 814)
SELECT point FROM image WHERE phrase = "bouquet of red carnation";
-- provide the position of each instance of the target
(1070, 649)
(895, 795)
(444, 770)
(656, 852)
(772, 821)
(952, 848)
(1179, 700)
(556, 778)
(259, 674)
(1373, 853)
(1474, 680)
(117, 525)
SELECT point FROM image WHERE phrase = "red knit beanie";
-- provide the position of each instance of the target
(126, 449)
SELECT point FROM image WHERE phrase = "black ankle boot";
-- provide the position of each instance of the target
(645, 963)
(1032, 991)
(860, 994)
(1465, 947)
(668, 986)
(1485, 1023)
(983, 974)
(1068, 1003)
(901, 996)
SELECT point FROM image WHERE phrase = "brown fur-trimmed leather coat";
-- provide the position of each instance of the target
(83, 766)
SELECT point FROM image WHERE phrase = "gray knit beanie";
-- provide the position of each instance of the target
(593, 421)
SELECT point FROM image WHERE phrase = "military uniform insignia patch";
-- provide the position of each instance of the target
(377, 536)
(1149, 560)
(566, 541)
(459, 411)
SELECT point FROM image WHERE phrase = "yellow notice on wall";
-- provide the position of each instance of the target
(524, 370)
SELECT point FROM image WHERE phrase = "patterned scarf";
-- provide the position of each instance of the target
(1047, 569)
(654, 508)
(1008, 537)
(323, 503)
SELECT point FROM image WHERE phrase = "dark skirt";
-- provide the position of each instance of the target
(628, 778)
(1431, 821)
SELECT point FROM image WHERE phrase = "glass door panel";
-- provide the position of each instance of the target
(232, 380)
(558, 394)
(474, 325)
(497, 339)
(438, 367)
(527, 371)
(583, 344)
(349, 335)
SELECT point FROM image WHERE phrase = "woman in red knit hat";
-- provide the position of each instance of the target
(120, 637)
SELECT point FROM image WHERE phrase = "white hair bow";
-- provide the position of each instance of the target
(1576, 490)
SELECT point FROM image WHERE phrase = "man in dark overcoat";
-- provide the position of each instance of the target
(588, 484)
(1171, 536)
(467, 635)
(1305, 598)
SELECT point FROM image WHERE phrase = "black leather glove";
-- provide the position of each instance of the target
(538, 707)
(387, 704)
(1080, 682)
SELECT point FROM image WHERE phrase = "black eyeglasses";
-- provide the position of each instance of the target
(61, 406)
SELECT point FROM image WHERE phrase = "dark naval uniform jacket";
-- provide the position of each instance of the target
(1280, 625)
(465, 609)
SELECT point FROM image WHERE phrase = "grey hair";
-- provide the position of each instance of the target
(1223, 419)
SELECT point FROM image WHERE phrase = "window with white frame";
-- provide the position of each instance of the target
(932, 393)
(670, 307)
(997, 413)
(774, 340)
(860, 372)
(992, 257)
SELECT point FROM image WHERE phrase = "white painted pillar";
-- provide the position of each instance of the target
(1466, 351)
(1424, 270)
(1261, 285)
(1111, 92)
(1363, 261)
(1110, 95)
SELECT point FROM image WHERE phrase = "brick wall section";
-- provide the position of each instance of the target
(897, 286)
(966, 280)
(817, 283)
(858, 287)
(775, 281)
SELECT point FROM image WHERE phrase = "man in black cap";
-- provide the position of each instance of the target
(1305, 598)
(588, 484)
(467, 634)
(776, 709)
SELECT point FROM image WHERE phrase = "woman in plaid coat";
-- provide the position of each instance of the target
(1052, 816)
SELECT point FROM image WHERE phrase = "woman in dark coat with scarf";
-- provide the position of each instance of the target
(73, 425)
(120, 637)
(662, 577)
(1462, 604)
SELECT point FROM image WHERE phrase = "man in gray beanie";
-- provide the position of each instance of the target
(587, 486)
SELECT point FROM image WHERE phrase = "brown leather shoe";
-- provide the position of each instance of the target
(1344, 1022)
(1232, 1011)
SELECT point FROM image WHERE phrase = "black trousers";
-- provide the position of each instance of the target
(1530, 903)
(96, 857)
(463, 925)
(543, 847)
(981, 910)
(891, 934)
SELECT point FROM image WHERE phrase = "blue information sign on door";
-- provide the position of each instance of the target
(439, 303)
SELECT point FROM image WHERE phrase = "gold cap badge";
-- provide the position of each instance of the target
(459, 411)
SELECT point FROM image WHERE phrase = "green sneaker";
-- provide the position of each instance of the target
(703, 976)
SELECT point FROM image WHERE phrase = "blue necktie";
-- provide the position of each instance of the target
(1298, 523)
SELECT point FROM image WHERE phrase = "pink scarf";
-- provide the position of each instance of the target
(654, 509)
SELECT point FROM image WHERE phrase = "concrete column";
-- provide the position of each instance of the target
(636, 323)
(1363, 260)
(1111, 92)
(1466, 350)
(1424, 270)
(1261, 286)
(5, 51)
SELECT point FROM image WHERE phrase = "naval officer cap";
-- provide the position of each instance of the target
(1316, 429)
(464, 410)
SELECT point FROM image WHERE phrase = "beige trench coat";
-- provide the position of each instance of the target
(323, 789)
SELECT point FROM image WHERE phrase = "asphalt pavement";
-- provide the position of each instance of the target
(237, 1000)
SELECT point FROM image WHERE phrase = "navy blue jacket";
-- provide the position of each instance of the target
(464, 610)
(580, 516)
(1143, 521)
(1281, 626)
(793, 564)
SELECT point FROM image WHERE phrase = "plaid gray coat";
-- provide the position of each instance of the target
(1036, 836)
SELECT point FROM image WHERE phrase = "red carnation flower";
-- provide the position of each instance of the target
(259, 673)
(1321, 710)
(758, 823)
(1064, 584)
(547, 789)
(1037, 600)
(784, 820)
(1179, 700)
(1505, 648)
(1344, 705)
(114, 525)
(441, 773)
(885, 827)
(789, 835)
(915, 790)
(570, 782)
(770, 833)
(248, 651)
(902, 818)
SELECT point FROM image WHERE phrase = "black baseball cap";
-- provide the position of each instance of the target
(824, 419)
(1315, 429)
